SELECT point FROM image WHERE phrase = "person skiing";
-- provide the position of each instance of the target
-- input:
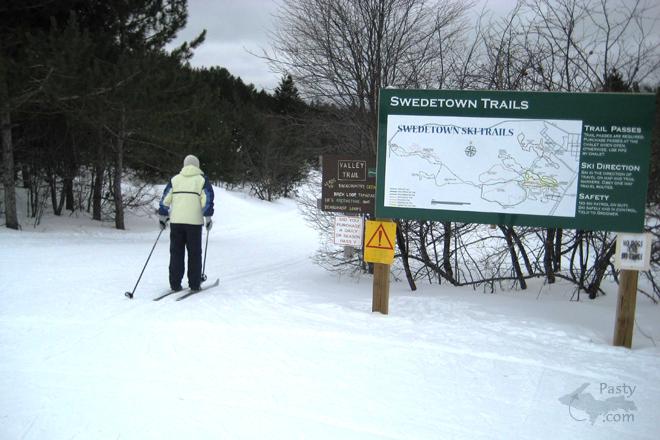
(187, 203)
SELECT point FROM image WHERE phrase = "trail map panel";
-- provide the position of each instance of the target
(538, 159)
(496, 165)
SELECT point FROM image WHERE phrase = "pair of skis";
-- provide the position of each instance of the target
(190, 292)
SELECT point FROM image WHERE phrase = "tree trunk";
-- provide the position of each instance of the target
(60, 204)
(446, 251)
(97, 193)
(97, 190)
(118, 172)
(35, 196)
(401, 241)
(548, 255)
(26, 176)
(67, 193)
(52, 183)
(583, 260)
(435, 264)
(600, 267)
(116, 185)
(523, 252)
(11, 216)
(557, 254)
(508, 235)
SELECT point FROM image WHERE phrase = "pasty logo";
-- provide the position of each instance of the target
(616, 408)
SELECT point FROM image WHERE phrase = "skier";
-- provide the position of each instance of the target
(186, 203)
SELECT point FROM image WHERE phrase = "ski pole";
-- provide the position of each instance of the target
(206, 246)
(130, 294)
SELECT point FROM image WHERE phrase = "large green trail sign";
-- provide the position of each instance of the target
(569, 160)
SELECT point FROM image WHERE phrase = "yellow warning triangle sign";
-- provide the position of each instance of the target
(380, 240)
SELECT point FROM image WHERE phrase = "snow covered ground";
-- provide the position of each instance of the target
(285, 350)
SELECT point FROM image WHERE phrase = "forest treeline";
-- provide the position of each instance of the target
(90, 99)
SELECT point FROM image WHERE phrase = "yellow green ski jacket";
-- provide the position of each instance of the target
(188, 197)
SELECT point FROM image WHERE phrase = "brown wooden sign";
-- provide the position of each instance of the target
(349, 184)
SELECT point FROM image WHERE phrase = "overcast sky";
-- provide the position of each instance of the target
(234, 28)
(237, 27)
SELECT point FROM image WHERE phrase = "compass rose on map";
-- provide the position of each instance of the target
(470, 150)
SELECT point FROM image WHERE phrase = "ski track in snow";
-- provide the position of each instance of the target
(282, 349)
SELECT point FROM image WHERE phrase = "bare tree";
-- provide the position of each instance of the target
(580, 43)
(343, 51)
(574, 46)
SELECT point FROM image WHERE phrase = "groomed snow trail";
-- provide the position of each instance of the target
(284, 350)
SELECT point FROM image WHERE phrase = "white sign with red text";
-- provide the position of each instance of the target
(348, 231)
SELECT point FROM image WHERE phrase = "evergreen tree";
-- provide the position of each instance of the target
(20, 20)
(287, 98)
(86, 52)
(277, 157)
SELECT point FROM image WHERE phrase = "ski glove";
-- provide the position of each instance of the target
(209, 223)
(163, 221)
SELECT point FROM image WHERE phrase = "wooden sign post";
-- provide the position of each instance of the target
(379, 249)
(633, 253)
(381, 289)
(625, 309)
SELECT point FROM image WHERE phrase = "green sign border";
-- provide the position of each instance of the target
(594, 109)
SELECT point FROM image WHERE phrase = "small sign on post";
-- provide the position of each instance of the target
(348, 184)
(633, 253)
(348, 231)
